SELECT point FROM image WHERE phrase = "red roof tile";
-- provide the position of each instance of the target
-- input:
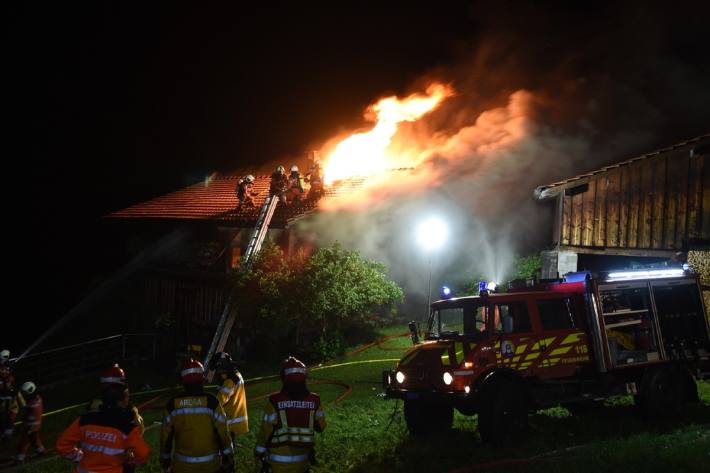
(216, 201)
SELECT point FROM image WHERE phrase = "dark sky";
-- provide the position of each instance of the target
(109, 104)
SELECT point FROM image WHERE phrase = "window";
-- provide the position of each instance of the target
(512, 318)
(452, 321)
(556, 314)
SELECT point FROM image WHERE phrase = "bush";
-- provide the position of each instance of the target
(311, 305)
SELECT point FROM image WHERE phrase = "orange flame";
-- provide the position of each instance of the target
(366, 153)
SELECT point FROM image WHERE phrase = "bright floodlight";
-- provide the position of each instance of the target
(432, 233)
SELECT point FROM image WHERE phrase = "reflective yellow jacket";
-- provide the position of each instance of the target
(233, 398)
(194, 433)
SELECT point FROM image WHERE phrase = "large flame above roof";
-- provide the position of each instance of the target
(366, 153)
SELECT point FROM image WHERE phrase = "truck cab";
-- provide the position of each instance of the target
(501, 355)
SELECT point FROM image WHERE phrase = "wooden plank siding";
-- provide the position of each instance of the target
(660, 203)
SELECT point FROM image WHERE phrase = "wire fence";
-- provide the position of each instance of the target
(63, 364)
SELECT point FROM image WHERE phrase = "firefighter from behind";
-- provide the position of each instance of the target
(194, 436)
(31, 422)
(107, 440)
(245, 192)
(10, 400)
(231, 395)
(292, 416)
(115, 377)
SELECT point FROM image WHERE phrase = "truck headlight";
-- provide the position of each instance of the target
(448, 379)
(400, 377)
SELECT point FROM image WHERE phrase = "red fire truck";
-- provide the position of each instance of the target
(572, 342)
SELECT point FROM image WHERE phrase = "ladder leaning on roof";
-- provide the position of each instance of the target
(229, 314)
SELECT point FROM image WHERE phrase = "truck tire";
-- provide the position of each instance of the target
(424, 418)
(663, 392)
(503, 415)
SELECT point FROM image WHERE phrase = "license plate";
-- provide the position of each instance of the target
(411, 396)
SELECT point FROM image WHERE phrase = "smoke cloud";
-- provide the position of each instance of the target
(513, 125)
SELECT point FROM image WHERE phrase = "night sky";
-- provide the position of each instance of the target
(110, 104)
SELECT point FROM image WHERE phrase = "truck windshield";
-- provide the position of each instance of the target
(470, 319)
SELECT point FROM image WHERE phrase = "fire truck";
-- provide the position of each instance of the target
(572, 342)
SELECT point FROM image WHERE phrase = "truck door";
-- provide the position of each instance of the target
(561, 342)
(513, 335)
(681, 318)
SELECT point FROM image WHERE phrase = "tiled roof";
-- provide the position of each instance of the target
(216, 201)
(549, 190)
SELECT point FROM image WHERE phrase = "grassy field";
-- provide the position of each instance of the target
(367, 433)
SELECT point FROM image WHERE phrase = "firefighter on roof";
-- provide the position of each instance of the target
(279, 184)
(231, 395)
(115, 377)
(315, 178)
(291, 419)
(31, 422)
(295, 186)
(245, 192)
(107, 440)
(10, 400)
(194, 437)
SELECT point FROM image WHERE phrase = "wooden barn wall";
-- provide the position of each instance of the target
(659, 203)
(188, 302)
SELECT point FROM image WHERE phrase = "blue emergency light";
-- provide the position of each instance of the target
(445, 292)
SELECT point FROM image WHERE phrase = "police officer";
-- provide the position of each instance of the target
(106, 440)
(194, 436)
(291, 419)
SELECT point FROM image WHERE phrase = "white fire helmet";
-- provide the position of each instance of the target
(294, 168)
(4, 356)
(29, 387)
(249, 178)
(281, 169)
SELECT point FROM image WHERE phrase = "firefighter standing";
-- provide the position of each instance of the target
(291, 418)
(107, 440)
(194, 437)
(114, 377)
(231, 395)
(279, 184)
(10, 400)
(245, 193)
(315, 178)
(31, 422)
(295, 185)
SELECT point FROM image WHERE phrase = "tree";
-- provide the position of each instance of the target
(300, 302)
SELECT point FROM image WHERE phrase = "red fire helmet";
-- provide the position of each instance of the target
(113, 375)
(192, 372)
(293, 371)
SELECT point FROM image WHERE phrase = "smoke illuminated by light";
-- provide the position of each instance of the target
(432, 233)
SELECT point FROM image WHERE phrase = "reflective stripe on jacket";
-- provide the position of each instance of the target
(232, 396)
(194, 430)
(103, 438)
(288, 428)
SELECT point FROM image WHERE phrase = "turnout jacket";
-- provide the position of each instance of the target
(100, 441)
(232, 397)
(194, 433)
(288, 429)
(32, 413)
(95, 406)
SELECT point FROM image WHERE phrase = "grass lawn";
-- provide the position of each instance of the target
(367, 433)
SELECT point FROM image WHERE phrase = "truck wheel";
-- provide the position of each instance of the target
(503, 415)
(663, 392)
(427, 417)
